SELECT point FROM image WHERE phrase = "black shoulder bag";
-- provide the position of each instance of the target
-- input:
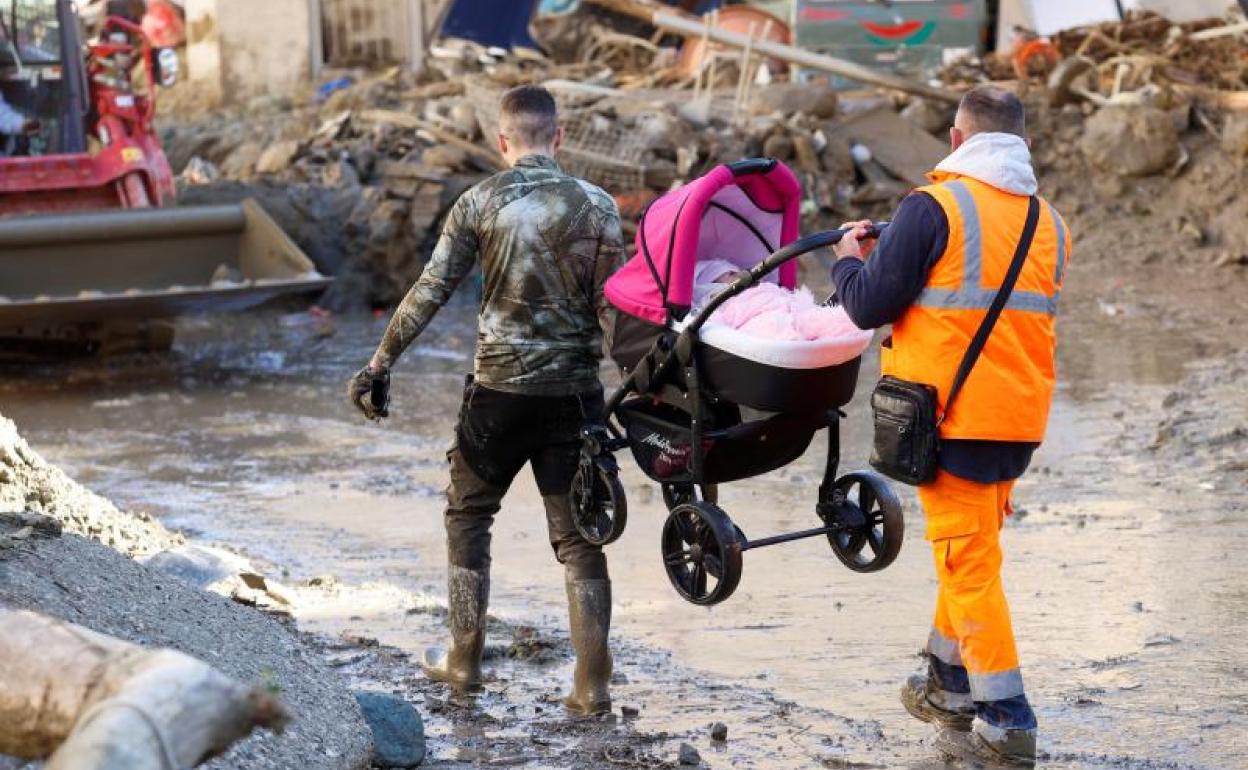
(906, 414)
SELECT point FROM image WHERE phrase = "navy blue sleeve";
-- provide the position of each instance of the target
(878, 291)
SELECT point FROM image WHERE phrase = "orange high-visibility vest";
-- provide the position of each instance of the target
(1008, 393)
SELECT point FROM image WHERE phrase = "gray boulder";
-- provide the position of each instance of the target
(398, 731)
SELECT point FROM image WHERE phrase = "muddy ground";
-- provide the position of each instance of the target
(1123, 563)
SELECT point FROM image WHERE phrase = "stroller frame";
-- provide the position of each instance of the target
(700, 542)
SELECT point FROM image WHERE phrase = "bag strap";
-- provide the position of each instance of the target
(994, 310)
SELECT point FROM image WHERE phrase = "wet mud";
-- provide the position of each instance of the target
(1124, 563)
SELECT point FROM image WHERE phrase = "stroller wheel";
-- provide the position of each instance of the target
(701, 553)
(873, 524)
(681, 494)
(599, 509)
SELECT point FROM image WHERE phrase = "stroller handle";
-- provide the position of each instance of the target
(805, 245)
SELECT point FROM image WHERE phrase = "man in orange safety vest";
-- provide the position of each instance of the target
(933, 274)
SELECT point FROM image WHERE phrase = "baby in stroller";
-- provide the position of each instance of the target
(704, 403)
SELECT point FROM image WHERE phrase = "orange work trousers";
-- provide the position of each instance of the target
(972, 627)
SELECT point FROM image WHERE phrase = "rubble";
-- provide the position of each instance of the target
(1131, 141)
(361, 173)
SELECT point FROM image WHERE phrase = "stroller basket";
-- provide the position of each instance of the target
(745, 381)
(659, 435)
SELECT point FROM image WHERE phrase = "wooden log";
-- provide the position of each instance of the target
(93, 702)
(768, 49)
(1217, 32)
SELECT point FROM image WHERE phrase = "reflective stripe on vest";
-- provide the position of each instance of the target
(971, 295)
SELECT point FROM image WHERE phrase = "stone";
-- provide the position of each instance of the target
(398, 730)
(689, 755)
(278, 157)
(778, 146)
(193, 565)
(719, 731)
(445, 156)
(1235, 135)
(1131, 141)
(629, 712)
(929, 116)
(241, 164)
(814, 99)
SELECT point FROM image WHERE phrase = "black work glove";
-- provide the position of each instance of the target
(369, 391)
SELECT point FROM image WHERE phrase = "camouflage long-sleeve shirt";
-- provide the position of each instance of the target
(547, 242)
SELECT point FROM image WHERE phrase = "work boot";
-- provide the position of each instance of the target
(589, 617)
(468, 595)
(929, 704)
(989, 746)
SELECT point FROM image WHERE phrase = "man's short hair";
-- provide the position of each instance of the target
(529, 116)
(991, 109)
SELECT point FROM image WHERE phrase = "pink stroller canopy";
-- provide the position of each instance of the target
(740, 213)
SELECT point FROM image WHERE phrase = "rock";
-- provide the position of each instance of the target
(278, 157)
(815, 99)
(445, 156)
(1131, 141)
(197, 567)
(199, 171)
(689, 755)
(1107, 186)
(629, 712)
(241, 164)
(398, 731)
(1235, 135)
(778, 146)
(719, 731)
(340, 173)
(932, 118)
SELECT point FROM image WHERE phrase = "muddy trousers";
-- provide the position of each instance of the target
(971, 652)
(498, 434)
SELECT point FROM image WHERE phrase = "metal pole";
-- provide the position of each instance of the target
(415, 35)
(316, 43)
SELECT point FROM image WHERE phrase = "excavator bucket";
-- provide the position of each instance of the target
(64, 276)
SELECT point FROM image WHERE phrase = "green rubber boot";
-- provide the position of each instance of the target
(468, 596)
(589, 616)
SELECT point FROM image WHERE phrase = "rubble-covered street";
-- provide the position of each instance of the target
(221, 498)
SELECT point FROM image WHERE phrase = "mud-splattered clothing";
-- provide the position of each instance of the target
(497, 435)
(547, 242)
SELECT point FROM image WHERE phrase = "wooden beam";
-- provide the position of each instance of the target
(768, 49)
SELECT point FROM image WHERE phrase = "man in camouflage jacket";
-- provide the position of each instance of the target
(547, 242)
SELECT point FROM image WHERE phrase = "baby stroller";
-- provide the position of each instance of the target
(697, 408)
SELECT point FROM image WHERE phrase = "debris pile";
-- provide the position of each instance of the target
(361, 171)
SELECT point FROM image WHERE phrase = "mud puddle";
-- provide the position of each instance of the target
(1128, 592)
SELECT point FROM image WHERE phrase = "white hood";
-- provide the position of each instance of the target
(1001, 160)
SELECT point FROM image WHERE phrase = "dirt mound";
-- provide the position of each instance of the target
(80, 580)
(29, 483)
(85, 583)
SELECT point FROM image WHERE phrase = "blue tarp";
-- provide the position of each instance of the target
(502, 23)
(567, 6)
(505, 23)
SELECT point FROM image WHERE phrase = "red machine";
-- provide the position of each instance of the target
(102, 149)
(91, 246)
